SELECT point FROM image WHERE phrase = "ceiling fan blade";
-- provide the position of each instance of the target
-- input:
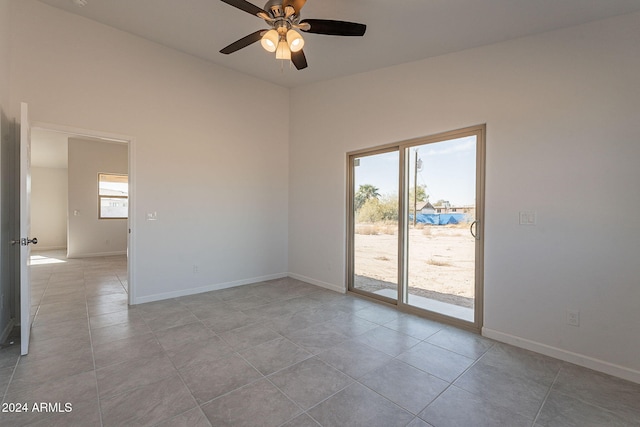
(299, 60)
(334, 28)
(243, 42)
(247, 7)
(296, 4)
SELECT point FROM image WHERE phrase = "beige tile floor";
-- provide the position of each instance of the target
(277, 353)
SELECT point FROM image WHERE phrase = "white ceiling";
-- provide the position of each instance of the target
(397, 31)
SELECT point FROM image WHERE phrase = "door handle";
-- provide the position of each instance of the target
(475, 235)
(25, 242)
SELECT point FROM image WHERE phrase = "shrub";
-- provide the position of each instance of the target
(370, 212)
(374, 210)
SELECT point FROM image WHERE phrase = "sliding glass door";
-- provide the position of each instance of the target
(415, 225)
(374, 215)
(441, 244)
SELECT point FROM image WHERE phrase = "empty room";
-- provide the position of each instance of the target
(319, 213)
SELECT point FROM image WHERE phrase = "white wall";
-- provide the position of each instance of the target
(4, 52)
(5, 37)
(49, 207)
(88, 235)
(202, 147)
(562, 113)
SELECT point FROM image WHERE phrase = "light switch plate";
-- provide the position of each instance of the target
(528, 218)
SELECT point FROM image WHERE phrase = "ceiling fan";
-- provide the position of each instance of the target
(283, 16)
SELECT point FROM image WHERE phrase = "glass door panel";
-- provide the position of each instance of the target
(441, 249)
(374, 223)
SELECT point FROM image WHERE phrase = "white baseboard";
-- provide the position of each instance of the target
(7, 330)
(325, 285)
(97, 254)
(568, 356)
(208, 288)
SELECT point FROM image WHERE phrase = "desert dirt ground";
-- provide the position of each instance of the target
(441, 261)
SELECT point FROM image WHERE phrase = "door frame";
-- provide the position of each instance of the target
(403, 209)
(131, 142)
(350, 270)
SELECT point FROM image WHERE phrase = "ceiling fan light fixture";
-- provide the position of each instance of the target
(295, 41)
(285, 24)
(270, 40)
(283, 51)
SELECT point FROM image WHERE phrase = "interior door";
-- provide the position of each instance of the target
(25, 229)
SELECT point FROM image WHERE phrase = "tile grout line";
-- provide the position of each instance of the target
(93, 355)
(44, 291)
(49, 285)
(266, 377)
(164, 351)
(391, 401)
(164, 354)
(356, 380)
(328, 397)
(451, 383)
(15, 366)
(6, 390)
(290, 400)
(20, 356)
(546, 396)
(580, 399)
(108, 267)
(453, 351)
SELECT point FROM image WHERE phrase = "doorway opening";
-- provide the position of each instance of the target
(415, 219)
(67, 199)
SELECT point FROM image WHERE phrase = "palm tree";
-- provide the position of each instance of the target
(364, 193)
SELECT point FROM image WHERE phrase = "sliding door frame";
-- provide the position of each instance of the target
(403, 213)
(351, 220)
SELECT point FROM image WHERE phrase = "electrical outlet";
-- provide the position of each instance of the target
(195, 269)
(573, 317)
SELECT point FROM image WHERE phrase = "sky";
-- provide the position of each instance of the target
(448, 170)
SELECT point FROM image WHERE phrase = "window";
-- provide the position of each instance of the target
(113, 196)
